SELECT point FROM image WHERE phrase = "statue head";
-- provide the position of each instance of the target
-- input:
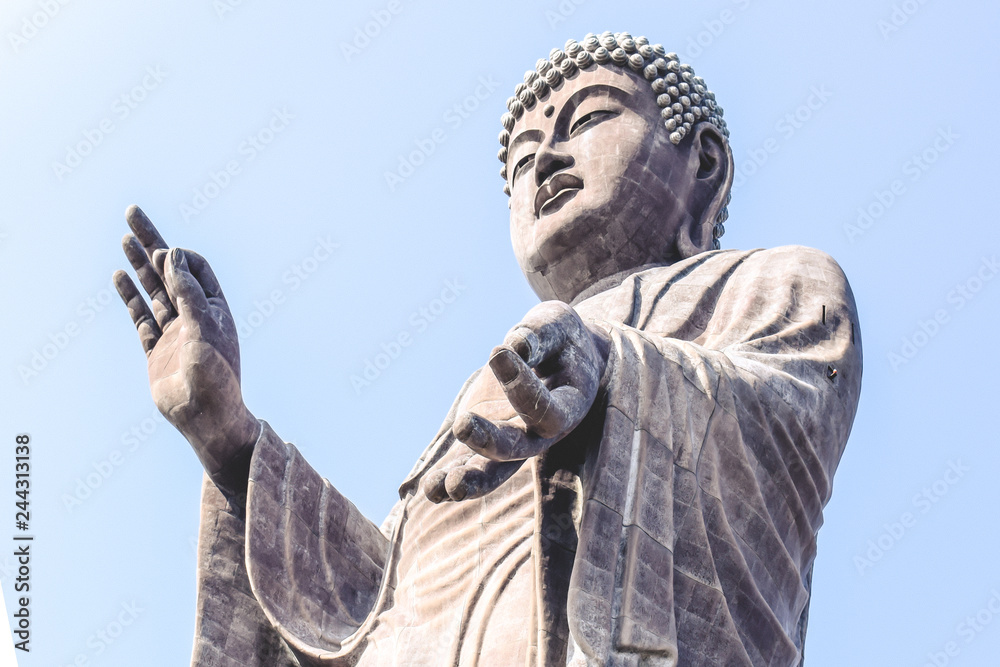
(615, 158)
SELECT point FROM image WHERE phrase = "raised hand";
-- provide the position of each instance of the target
(192, 349)
(544, 380)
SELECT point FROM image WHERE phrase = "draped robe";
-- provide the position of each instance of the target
(676, 525)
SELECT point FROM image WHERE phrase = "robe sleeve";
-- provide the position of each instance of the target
(315, 563)
(230, 627)
(702, 500)
(293, 580)
(293, 574)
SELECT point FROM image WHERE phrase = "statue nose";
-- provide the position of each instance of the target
(549, 161)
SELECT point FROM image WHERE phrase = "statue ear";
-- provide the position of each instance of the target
(712, 160)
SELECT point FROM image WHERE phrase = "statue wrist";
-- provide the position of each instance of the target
(237, 448)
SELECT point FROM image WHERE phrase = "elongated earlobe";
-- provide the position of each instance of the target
(714, 175)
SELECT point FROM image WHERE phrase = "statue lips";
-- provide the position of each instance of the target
(556, 191)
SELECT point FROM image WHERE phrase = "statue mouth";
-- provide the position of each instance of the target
(555, 192)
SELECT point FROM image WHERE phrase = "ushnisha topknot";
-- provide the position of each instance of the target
(683, 98)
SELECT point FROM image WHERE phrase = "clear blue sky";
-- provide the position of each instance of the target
(257, 108)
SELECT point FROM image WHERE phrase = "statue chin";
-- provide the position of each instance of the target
(565, 265)
(567, 255)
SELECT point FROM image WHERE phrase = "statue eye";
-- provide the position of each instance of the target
(521, 165)
(590, 119)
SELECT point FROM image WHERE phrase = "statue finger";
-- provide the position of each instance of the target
(498, 442)
(203, 272)
(144, 230)
(543, 332)
(184, 289)
(527, 394)
(479, 477)
(142, 317)
(163, 309)
(433, 484)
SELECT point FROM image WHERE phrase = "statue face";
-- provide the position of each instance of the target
(596, 186)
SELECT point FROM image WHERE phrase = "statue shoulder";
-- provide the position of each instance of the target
(779, 264)
(809, 264)
(791, 265)
(785, 274)
(799, 254)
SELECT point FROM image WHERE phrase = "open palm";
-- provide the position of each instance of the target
(191, 345)
(541, 383)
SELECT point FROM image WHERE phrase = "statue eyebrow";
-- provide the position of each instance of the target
(573, 102)
(527, 135)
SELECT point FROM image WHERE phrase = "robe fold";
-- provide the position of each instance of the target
(676, 525)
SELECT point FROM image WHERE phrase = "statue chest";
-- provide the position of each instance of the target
(464, 581)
